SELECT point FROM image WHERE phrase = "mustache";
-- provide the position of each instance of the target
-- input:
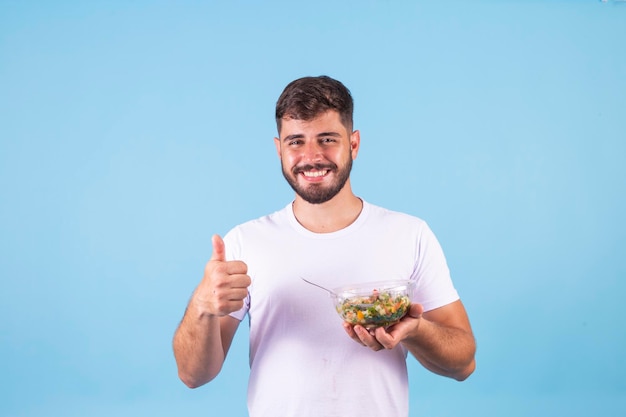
(314, 167)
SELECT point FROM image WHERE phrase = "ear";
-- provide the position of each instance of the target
(277, 144)
(355, 143)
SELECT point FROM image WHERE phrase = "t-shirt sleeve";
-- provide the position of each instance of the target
(434, 287)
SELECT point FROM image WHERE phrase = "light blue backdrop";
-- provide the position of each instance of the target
(130, 131)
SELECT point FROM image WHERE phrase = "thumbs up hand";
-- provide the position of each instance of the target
(224, 285)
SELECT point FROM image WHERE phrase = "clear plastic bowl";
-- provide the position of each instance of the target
(373, 304)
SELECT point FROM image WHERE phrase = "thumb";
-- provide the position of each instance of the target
(219, 249)
(416, 311)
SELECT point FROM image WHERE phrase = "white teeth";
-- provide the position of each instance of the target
(315, 173)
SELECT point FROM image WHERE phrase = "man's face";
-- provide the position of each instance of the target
(316, 155)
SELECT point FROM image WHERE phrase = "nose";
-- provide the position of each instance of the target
(312, 152)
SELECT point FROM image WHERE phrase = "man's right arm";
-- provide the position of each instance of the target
(200, 346)
(206, 331)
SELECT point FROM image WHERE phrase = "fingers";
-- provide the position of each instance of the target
(387, 338)
(376, 339)
(225, 301)
(227, 268)
(223, 280)
(221, 293)
(363, 336)
(219, 249)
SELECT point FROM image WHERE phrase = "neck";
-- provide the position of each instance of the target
(331, 216)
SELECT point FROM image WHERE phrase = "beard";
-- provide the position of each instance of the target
(318, 193)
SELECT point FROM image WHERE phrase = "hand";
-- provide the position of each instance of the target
(387, 338)
(224, 285)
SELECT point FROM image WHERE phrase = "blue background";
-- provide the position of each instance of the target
(131, 131)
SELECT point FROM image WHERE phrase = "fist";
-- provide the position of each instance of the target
(224, 285)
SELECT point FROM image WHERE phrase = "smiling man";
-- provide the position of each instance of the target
(303, 360)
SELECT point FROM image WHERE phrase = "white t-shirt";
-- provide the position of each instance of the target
(302, 363)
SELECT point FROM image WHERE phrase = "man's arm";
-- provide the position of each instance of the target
(440, 339)
(201, 343)
(206, 331)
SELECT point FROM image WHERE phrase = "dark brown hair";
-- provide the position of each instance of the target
(308, 97)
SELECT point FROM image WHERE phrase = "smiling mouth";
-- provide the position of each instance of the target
(316, 173)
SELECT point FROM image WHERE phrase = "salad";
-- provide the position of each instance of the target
(381, 309)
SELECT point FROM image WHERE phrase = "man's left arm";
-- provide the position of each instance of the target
(440, 339)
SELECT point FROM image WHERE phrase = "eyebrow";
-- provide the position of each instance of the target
(292, 137)
(319, 135)
(334, 134)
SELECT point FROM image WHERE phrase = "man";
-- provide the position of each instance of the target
(303, 360)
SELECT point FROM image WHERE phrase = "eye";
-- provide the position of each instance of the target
(328, 140)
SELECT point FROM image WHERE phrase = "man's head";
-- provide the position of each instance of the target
(309, 97)
(316, 144)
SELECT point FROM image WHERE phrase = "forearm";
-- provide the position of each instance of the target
(198, 348)
(447, 351)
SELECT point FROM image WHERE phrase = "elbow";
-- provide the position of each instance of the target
(195, 375)
(191, 381)
(191, 384)
(464, 373)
